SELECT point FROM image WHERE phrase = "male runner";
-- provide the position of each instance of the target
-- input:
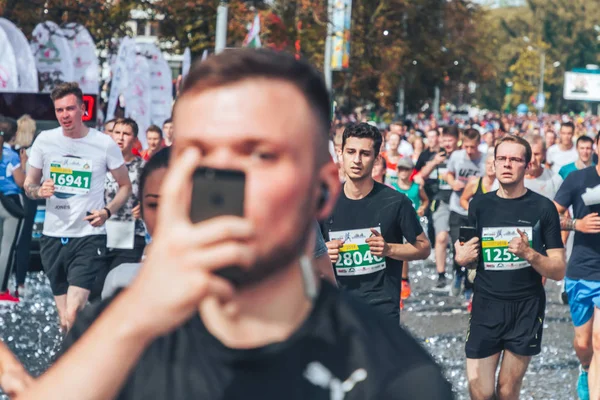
(519, 233)
(585, 151)
(126, 235)
(537, 178)
(434, 172)
(367, 227)
(581, 190)
(168, 132)
(563, 152)
(463, 165)
(73, 160)
(181, 331)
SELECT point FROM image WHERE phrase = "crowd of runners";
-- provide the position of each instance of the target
(142, 294)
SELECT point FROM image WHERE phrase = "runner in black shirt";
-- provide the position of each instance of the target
(182, 332)
(434, 171)
(520, 243)
(367, 227)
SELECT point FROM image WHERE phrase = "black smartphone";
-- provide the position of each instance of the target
(218, 192)
(443, 152)
(87, 213)
(466, 233)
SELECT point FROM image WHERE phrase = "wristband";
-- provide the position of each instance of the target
(108, 212)
(574, 223)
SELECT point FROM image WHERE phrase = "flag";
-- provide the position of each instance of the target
(252, 39)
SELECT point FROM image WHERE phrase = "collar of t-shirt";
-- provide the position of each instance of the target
(216, 348)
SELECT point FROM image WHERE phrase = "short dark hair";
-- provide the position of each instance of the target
(157, 161)
(363, 131)
(568, 124)
(154, 128)
(8, 128)
(66, 88)
(585, 139)
(168, 121)
(110, 121)
(518, 140)
(451, 130)
(130, 123)
(234, 66)
(472, 134)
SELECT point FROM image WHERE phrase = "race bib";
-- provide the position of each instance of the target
(494, 247)
(443, 185)
(71, 175)
(355, 255)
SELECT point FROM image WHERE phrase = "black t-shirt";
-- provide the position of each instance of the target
(585, 257)
(500, 274)
(435, 187)
(342, 351)
(375, 280)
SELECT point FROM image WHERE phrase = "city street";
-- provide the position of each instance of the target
(31, 330)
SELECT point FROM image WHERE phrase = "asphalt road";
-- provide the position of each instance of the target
(31, 330)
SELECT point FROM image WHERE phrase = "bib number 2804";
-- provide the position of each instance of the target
(355, 255)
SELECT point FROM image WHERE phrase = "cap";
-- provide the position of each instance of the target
(405, 162)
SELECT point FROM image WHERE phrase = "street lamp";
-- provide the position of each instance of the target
(221, 31)
(386, 32)
(542, 69)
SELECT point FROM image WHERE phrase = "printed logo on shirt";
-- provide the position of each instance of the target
(494, 245)
(317, 374)
(355, 255)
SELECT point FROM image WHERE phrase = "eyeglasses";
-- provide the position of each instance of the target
(512, 160)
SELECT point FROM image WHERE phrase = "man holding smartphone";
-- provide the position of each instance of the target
(367, 227)
(180, 331)
(518, 243)
(433, 171)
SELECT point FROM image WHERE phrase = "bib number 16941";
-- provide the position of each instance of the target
(70, 180)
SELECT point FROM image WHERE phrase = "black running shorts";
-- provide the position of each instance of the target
(72, 261)
(497, 325)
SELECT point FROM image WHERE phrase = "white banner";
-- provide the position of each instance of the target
(9, 79)
(119, 75)
(83, 49)
(52, 55)
(161, 83)
(26, 71)
(138, 96)
(581, 86)
(187, 62)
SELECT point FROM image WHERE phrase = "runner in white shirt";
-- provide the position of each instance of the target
(73, 161)
(563, 152)
(537, 178)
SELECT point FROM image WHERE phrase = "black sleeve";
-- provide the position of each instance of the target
(423, 382)
(564, 196)
(421, 161)
(550, 225)
(408, 221)
(473, 212)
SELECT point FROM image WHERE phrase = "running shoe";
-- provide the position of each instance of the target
(470, 305)
(405, 292)
(456, 284)
(441, 283)
(564, 298)
(7, 298)
(401, 304)
(583, 391)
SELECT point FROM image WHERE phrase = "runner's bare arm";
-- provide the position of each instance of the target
(122, 177)
(410, 252)
(468, 193)
(32, 183)
(552, 266)
(19, 176)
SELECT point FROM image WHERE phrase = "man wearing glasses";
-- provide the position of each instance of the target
(518, 242)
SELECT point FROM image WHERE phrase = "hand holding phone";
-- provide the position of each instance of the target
(466, 233)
